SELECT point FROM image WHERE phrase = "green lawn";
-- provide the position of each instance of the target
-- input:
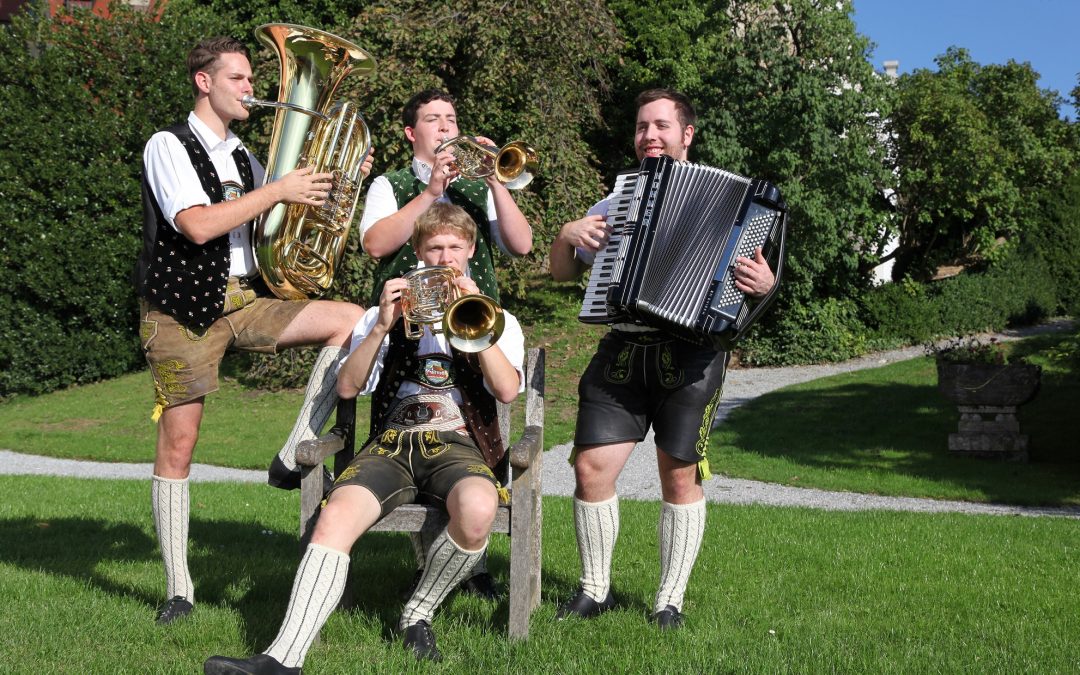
(774, 590)
(879, 431)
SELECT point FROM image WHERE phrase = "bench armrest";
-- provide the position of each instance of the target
(314, 452)
(523, 453)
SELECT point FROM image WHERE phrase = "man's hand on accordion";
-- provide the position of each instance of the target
(754, 277)
(590, 233)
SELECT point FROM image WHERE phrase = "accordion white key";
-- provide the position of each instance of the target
(677, 229)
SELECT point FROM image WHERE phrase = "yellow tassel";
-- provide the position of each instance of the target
(703, 469)
(504, 494)
(156, 414)
(572, 457)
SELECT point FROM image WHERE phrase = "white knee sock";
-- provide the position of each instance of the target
(171, 504)
(320, 581)
(597, 525)
(682, 527)
(447, 564)
(421, 543)
(320, 399)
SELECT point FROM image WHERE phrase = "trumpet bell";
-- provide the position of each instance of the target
(514, 165)
(472, 323)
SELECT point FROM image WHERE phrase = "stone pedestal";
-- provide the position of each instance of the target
(989, 432)
(987, 396)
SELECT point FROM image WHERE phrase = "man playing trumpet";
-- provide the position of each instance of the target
(395, 200)
(435, 437)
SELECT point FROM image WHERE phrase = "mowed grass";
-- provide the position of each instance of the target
(774, 590)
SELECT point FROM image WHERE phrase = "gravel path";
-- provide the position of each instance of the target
(639, 479)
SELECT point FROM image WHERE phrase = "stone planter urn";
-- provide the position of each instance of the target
(987, 396)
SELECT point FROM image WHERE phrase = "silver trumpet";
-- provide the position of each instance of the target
(471, 323)
(514, 165)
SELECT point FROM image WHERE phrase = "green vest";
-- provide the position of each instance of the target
(470, 195)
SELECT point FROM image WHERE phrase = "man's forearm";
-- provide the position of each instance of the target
(204, 223)
(389, 234)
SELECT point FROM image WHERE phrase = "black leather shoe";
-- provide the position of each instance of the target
(481, 585)
(420, 639)
(584, 607)
(174, 608)
(279, 476)
(260, 664)
(669, 618)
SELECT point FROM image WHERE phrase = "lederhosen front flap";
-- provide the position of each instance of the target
(181, 278)
(477, 405)
(470, 195)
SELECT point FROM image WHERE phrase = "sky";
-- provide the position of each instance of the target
(1043, 33)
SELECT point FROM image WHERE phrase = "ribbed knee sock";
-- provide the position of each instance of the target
(447, 564)
(320, 581)
(682, 528)
(171, 505)
(597, 526)
(320, 400)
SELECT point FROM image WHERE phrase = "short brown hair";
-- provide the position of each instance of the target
(440, 218)
(412, 106)
(203, 57)
(685, 109)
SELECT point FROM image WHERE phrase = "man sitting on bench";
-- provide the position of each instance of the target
(436, 437)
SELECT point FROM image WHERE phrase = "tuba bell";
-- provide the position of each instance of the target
(514, 165)
(299, 247)
(471, 323)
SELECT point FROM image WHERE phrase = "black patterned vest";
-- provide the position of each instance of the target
(477, 405)
(179, 277)
(470, 195)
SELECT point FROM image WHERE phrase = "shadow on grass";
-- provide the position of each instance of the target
(893, 431)
(235, 565)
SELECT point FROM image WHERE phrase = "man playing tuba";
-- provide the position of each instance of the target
(199, 287)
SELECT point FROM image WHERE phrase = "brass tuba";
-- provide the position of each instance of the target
(471, 323)
(514, 165)
(298, 247)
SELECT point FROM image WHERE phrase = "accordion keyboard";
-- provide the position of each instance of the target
(594, 305)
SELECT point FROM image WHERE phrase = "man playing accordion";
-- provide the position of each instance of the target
(642, 377)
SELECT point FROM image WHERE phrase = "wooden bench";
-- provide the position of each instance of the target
(522, 470)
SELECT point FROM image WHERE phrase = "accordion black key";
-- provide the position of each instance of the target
(676, 230)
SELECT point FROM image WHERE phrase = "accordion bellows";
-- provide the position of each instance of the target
(677, 229)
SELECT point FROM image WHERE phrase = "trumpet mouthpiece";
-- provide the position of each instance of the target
(249, 101)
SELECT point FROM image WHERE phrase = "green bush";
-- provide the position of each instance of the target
(79, 96)
(828, 330)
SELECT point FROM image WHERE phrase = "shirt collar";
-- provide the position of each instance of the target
(211, 141)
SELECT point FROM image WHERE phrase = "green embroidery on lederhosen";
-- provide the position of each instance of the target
(619, 370)
(702, 445)
(671, 375)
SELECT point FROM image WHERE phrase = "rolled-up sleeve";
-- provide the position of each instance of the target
(171, 177)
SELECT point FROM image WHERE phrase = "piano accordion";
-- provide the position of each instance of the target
(676, 230)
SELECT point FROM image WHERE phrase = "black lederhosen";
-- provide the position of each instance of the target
(651, 378)
(402, 467)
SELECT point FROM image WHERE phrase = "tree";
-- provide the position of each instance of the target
(974, 143)
(784, 92)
